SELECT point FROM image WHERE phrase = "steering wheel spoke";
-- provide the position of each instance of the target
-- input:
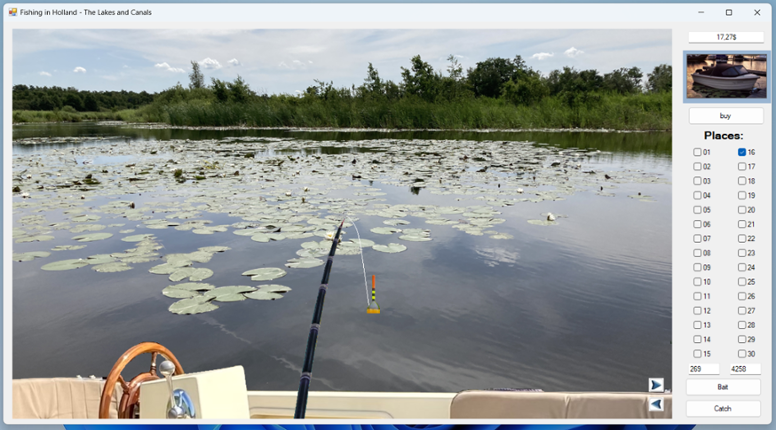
(153, 363)
(124, 385)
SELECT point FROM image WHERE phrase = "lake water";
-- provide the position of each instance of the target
(582, 305)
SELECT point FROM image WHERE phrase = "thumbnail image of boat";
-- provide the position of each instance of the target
(725, 77)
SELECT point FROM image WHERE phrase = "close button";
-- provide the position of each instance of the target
(725, 115)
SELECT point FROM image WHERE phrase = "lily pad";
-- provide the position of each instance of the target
(232, 293)
(68, 247)
(541, 222)
(395, 222)
(65, 265)
(29, 256)
(137, 237)
(391, 248)
(36, 238)
(268, 292)
(502, 236)
(194, 274)
(414, 238)
(92, 237)
(193, 286)
(265, 274)
(304, 263)
(194, 305)
(178, 293)
(111, 267)
(212, 249)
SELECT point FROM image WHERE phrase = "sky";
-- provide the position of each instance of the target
(288, 61)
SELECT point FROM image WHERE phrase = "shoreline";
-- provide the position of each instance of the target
(164, 126)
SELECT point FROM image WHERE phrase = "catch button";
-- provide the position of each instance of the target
(723, 409)
(724, 115)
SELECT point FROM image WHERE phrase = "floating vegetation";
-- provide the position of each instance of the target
(92, 237)
(29, 256)
(194, 305)
(391, 248)
(65, 265)
(265, 274)
(270, 196)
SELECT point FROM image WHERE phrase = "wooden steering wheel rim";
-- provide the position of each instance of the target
(129, 398)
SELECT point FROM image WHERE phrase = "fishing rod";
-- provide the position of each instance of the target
(312, 338)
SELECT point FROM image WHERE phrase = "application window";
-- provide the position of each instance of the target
(525, 213)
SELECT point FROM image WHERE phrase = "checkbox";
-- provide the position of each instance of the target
(742, 339)
(696, 353)
(697, 152)
(696, 252)
(696, 223)
(741, 353)
(697, 166)
(696, 296)
(696, 325)
(696, 180)
(741, 282)
(697, 195)
(741, 296)
(741, 166)
(696, 310)
(697, 267)
(742, 325)
(742, 195)
(742, 209)
(742, 180)
(741, 238)
(696, 282)
(742, 253)
(696, 210)
(742, 310)
(742, 267)
(741, 224)
(741, 151)
(696, 339)
(696, 238)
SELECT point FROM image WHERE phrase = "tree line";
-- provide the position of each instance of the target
(507, 79)
(54, 98)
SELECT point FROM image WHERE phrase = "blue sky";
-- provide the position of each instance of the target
(287, 61)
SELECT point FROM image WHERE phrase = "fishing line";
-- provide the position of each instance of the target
(361, 250)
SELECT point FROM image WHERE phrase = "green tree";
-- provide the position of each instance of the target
(373, 85)
(488, 76)
(239, 91)
(420, 80)
(90, 103)
(660, 79)
(196, 78)
(527, 90)
(220, 90)
(74, 100)
(624, 80)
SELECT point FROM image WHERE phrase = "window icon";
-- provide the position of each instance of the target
(729, 12)
(11, 11)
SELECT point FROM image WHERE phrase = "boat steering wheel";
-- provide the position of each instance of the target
(128, 406)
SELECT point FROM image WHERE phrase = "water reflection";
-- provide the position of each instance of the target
(582, 305)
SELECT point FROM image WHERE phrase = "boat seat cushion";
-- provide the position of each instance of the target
(60, 398)
(549, 405)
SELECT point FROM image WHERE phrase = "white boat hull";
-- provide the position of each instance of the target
(738, 83)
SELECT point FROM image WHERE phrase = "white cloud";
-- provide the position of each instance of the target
(542, 55)
(298, 91)
(79, 70)
(45, 74)
(573, 52)
(234, 62)
(125, 67)
(169, 68)
(283, 65)
(209, 63)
